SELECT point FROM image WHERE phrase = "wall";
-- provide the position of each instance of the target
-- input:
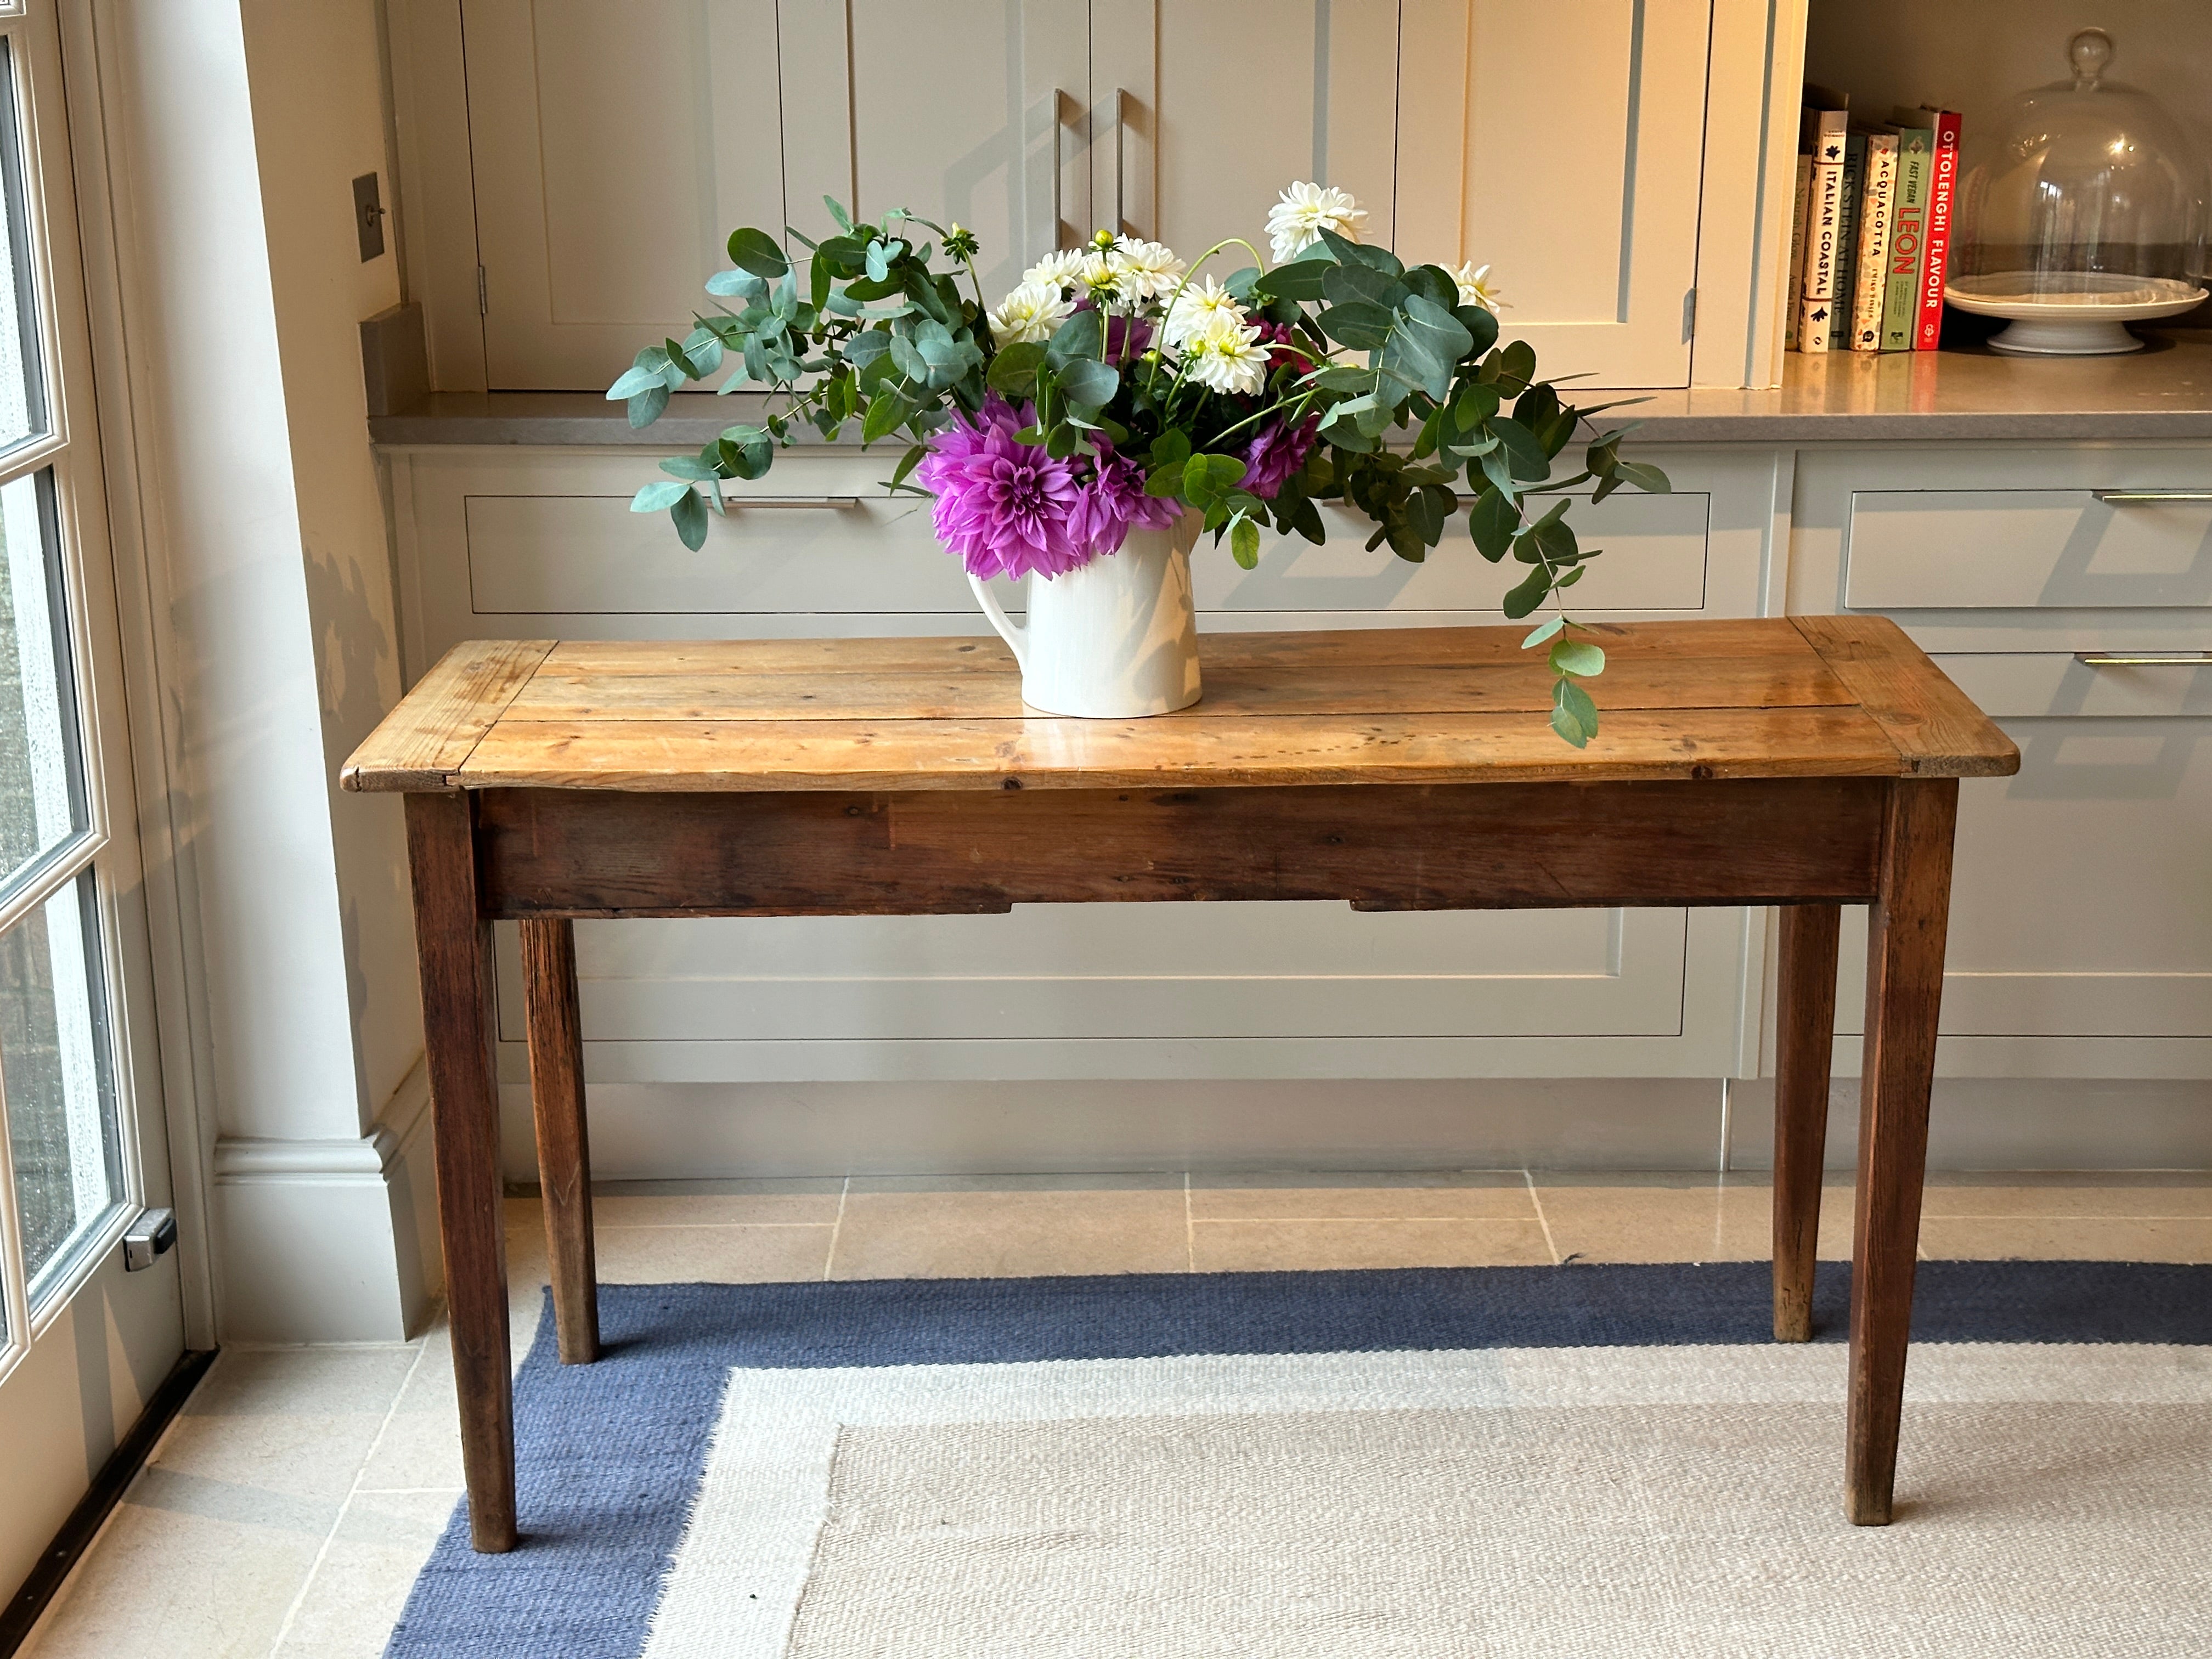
(234, 132)
(1974, 57)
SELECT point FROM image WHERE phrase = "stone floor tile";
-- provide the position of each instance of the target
(1269, 1246)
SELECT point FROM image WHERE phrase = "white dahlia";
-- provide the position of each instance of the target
(1295, 223)
(1056, 270)
(1475, 288)
(1031, 311)
(1228, 358)
(1197, 310)
(1148, 269)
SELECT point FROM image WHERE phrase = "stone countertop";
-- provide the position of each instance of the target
(1951, 395)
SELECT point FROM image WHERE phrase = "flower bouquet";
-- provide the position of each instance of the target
(1084, 431)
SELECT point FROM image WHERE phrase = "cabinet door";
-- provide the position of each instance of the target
(1202, 110)
(2080, 938)
(1562, 145)
(954, 111)
(613, 149)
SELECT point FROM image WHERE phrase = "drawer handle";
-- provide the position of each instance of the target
(838, 502)
(2144, 660)
(2149, 497)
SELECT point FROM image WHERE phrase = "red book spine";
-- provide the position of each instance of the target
(1943, 193)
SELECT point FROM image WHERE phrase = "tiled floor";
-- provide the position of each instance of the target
(288, 1507)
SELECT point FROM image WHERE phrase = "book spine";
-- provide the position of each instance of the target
(1943, 194)
(1847, 243)
(1796, 255)
(1908, 240)
(1823, 215)
(1871, 285)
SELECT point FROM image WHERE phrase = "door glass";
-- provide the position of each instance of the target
(54, 1067)
(23, 401)
(42, 797)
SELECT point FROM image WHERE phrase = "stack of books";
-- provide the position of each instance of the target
(1871, 244)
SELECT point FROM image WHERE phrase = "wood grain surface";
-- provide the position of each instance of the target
(557, 852)
(421, 743)
(1938, 731)
(1769, 697)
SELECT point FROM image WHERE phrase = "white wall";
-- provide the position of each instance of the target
(234, 134)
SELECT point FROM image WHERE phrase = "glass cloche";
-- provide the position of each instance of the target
(2081, 207)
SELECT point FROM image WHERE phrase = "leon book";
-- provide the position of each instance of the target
(1908, 232)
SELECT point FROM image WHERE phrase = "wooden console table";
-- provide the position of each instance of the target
(1807, 762)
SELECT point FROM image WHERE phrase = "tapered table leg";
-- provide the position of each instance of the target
(452, 938)
(565, 1159)
(1805, 1028)
(1904, 992)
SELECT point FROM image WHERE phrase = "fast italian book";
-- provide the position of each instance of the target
(1824, 204)
(1908, 232)
(1870, 284)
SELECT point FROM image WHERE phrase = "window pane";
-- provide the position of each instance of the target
(55, 1068)
(22, 396)
(42, 799)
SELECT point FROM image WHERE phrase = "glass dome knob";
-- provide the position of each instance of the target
(2091, 53)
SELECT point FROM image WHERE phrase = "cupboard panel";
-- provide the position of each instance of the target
(1580, 188)
(1203, 110)
(606, 180)
(2024, 549)
(1054, 971)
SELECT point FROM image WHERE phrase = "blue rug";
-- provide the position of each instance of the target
(614, 1458)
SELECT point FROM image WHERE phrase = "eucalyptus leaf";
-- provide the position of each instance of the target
(756, 250)
(1646, 477)
(1528, 595)
(1578, 657)
(1542, 631)
(1524, 456)
(658, 496)
(690, 517)
(1244, 543)
(1362, 326)
(1574, 715)
(1089, 383)
(1298, 279)
(1081, 336)
(1342, 285)
(645, 406)
(1492, 523)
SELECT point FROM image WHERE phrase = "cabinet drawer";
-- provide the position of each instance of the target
(825, 538)
(2026, 685)
(1655, 550)
(1969, 549)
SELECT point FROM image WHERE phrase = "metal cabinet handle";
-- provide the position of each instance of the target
(1059, 219)
(2149, 497)
(835, 501)
(2145, 658)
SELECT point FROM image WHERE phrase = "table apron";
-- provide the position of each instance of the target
(1393, 847)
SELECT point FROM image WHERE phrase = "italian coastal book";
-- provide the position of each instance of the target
(1824, 204)
(1847, 242)
(1870, 264)
(1796, 251)
(1908, 232)
(1943, 197)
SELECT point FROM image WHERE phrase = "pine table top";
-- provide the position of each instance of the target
(1794, 696)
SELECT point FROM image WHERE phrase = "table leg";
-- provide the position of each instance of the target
(1805, 1028)
(452, 938)
(564, 1157)
(1905, 990)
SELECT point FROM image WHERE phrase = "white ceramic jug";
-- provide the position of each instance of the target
(1115, 639)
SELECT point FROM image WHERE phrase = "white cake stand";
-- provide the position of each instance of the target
(2071, 314)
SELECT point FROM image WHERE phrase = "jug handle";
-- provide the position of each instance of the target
(1012, 632)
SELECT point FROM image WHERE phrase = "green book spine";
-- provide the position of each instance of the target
(1908, 234)
(1847, 240)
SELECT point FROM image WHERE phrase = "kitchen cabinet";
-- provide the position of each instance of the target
(609, 150)
(2081, 941)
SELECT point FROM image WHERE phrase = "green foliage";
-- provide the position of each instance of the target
(1419, 409)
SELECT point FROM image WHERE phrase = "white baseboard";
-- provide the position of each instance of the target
(329, 1240)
